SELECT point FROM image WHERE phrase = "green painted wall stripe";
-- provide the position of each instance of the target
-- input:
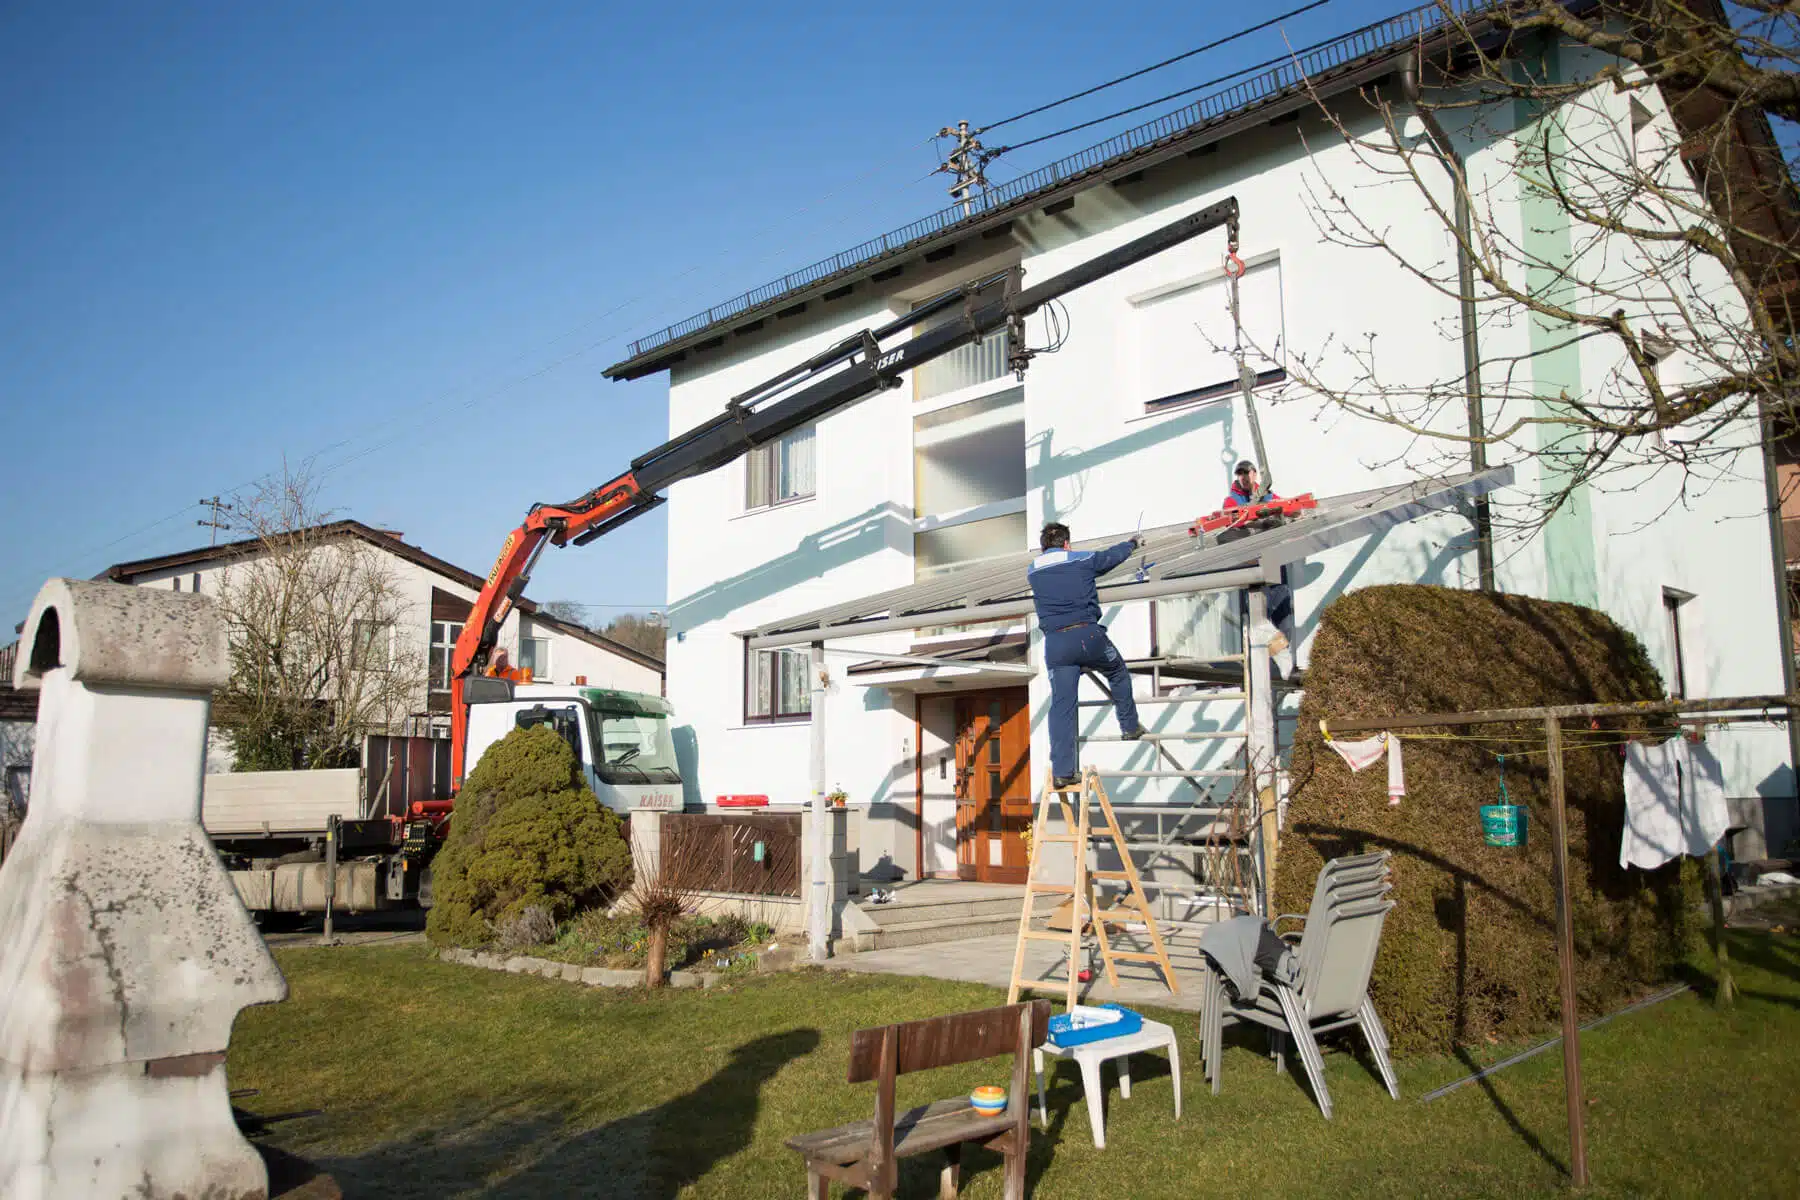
(1568, 537)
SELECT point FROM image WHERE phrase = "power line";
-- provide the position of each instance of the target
(1100, 87)
(1289, 56)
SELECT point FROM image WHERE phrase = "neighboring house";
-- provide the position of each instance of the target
(434, 600)
(1134, 423)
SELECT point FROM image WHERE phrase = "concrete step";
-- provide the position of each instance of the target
(943, 929)
(913, 912)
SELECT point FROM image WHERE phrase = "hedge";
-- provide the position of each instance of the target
(1469, 952)
(525, 832)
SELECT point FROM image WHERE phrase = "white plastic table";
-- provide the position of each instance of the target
(1089, 1055)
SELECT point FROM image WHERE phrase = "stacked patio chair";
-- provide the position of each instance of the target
(1336, 952)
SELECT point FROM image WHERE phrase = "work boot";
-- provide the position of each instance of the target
(1132, 735)
(1065, 781)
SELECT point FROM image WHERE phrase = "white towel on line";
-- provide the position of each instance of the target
(1674, 803)
(1369, 751)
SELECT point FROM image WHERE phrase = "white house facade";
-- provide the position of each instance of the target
(1135, 422)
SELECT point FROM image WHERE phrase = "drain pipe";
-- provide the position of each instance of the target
(1784, 611)
(1465, 279)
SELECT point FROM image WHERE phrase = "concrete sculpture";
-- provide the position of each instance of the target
(125, 954)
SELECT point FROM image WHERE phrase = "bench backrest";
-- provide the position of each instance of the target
(948, 1041)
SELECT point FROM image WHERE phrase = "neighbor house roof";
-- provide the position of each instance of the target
(1329, 68)
(130, 572)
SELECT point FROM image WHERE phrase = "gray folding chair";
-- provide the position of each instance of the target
(1332, 993)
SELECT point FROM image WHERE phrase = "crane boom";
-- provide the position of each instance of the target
(828, 382)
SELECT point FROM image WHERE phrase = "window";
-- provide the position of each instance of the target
(969, 454)
(443, 647)
(370, 644)
(963, 367)
(781, 470)
(177, 583)
(776, 685)
(1185, 347)
(634, 748)
(937, 550)
(534, 656)
(1673, 600)
(969, 481)
(196, 582)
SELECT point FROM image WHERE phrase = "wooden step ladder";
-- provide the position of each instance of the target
(1079, 833)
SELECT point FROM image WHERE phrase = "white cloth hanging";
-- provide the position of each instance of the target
(1674, 803)
(1703, 779)
(1368, 752)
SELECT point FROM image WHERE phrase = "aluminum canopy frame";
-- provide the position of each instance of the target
(1180, 564)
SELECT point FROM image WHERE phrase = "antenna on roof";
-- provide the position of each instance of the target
(965, 162)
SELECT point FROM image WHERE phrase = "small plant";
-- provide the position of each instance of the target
(837, 797)
(661, 897)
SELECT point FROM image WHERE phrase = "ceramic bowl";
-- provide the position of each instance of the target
(988, 1100)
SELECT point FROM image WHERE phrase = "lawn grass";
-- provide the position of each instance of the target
(444, 1081)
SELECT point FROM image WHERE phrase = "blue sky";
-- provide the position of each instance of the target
(402, 240)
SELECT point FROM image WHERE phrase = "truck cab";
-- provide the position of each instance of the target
(622, 739)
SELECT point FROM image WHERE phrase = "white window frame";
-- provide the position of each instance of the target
(372, 653)
(453, 630)
(538, 674)
(1134, 409)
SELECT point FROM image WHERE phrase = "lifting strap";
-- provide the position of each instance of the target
(1234, 271)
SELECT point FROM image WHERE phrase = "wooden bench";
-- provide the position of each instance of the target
(866, 1154)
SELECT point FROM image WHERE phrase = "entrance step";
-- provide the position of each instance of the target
(921, 919)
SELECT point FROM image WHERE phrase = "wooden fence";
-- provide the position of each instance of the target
(718, 853)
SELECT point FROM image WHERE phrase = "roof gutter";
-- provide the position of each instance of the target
(1465, 286)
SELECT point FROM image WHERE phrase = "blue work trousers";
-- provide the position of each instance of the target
(1066, 653)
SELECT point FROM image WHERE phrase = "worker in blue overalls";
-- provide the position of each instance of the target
(1068, 611)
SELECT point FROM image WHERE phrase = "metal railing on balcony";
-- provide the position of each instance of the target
(1312, 64)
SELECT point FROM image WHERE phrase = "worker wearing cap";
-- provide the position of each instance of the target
(1067, 599)
(1246, 487)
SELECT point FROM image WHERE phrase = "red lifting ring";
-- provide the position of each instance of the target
(1234, 266)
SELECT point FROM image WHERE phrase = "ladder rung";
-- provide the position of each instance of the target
(1167, 774)
(1064, 889)
(1196, 736)
(1039, 935)
(1109, 875)
(1195, 699)
(1116, 917)
(1058, 837)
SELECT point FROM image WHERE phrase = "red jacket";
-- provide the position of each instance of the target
(1238, 496)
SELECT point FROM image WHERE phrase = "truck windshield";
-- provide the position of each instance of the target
(634, 748)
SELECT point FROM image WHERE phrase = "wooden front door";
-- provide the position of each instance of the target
(993, 785)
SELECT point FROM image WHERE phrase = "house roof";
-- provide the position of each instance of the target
(129, 572)
(1329, 68)
(1172, 563)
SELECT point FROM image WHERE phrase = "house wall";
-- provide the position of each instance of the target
(1097, 461)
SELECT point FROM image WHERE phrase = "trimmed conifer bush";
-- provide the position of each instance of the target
(526, 832)
(1470, 952)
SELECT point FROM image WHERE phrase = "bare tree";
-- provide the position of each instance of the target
(647, 633)
(320, 655)
(662, 894)
(1612, 183)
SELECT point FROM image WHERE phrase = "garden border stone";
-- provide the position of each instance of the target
(524, 964)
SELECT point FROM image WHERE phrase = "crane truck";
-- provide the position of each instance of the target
(840, 376)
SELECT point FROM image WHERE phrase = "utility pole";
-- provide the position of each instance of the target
(218, 506)
(965, 163)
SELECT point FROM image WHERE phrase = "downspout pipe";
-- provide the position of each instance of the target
(1465, 280)
(1784, 612)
